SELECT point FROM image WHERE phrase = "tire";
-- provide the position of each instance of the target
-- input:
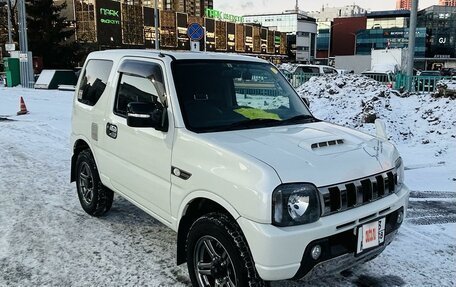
(227, 262)
(95, 198)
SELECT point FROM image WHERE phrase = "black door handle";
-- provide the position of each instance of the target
(111, 130)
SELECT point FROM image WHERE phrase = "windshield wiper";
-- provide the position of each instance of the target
(252, 123)
(300, 119)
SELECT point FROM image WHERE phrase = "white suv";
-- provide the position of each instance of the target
(221, 149)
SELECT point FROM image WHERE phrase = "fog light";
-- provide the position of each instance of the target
(316, 252)
(400, 217)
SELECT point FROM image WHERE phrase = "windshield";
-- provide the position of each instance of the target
(231, 95)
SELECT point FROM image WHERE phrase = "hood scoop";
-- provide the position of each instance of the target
(327, 144)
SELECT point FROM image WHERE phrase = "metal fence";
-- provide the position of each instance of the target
(419, 84)
(298, 79)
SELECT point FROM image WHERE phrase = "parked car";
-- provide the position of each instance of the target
(387, 78)
(315, 69)
(221, 149)
(427, 80)
(448, 72)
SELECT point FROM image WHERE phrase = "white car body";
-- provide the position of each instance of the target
(315, 69)
(238, 170)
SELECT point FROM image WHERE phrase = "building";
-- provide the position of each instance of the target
(301, 32)
(440, 25)
(107, 24)
(388, 19)
(403, 4)
(325, 17)
(447, 2)
(344, 34)
(328, 14)
(388, 29)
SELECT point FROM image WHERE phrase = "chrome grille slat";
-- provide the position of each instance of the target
(344, 196)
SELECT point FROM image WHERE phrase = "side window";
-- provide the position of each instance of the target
(94, 81)
(329, 71)
(134, 89)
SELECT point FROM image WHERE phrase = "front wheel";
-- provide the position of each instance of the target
(218, 255)
(95, 198)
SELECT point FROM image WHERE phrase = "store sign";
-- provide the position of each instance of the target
(442, 40)
(219, 15)
(108, 23)
(442, 56)
(110, 16)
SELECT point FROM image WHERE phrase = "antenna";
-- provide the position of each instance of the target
(297, 6)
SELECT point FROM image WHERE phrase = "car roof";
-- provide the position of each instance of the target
(175, 55)
(314, 66)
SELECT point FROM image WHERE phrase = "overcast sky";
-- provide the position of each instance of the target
(245, 7)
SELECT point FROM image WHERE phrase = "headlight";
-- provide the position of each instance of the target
(399, 165)
(295, 204)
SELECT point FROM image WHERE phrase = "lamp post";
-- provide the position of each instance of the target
(25, 58)
(157, 37)
(411, 46)
(10, 37)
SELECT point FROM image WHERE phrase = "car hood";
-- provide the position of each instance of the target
(320, 153)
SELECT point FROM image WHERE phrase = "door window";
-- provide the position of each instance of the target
(134, 89)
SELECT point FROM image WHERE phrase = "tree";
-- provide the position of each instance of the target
(49, 33)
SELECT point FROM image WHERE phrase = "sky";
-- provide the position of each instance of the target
(245, 7)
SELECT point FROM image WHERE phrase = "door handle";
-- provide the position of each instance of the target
(111, 130)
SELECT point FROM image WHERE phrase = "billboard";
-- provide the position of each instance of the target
(248, 39)
(168, 34)
(220, 36)
(231, 36)
(240, 38)
(256, 39)
(109, 30)
(271, 45)
(210, 34)
(264, 40)
(149, 27)
(132, 24)
(183, 42)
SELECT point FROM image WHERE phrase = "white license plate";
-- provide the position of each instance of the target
(371, 235)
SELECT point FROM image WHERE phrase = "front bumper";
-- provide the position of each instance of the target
(281, 252)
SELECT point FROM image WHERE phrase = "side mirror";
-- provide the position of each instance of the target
(147, 115)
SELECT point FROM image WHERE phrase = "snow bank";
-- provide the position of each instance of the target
(356, 101)
(422, 127)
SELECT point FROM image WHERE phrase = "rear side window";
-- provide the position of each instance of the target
(310, 70)
(94, 81)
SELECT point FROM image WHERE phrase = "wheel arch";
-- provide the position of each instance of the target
(78, 146)
(194, 208)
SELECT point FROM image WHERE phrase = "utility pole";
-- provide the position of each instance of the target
(10, 26)
(157, 36)
(25, 57)
(411, 45)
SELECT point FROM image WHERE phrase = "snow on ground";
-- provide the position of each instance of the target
(47, 239)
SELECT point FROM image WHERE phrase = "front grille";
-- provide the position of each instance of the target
(348, 195)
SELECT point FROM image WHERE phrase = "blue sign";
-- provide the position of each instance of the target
(195, 32)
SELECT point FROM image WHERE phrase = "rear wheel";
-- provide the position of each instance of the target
(218, 255)
(95, 198)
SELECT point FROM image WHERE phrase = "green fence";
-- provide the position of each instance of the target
(419, 84)
(298, 79)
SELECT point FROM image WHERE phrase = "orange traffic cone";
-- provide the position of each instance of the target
(23, 110)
